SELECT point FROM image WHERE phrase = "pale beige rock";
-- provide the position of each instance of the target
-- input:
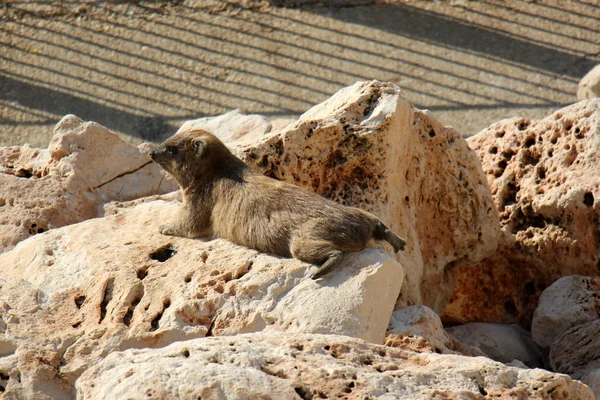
(577, 351)
(420, 329)
(83, 291)
(233, 127)
(300, 366)
(568, 302)
(545, 182)
(589, 85)
(84, 166)
(367, 146)
(503, 343)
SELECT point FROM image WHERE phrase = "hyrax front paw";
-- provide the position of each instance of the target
(169, 229)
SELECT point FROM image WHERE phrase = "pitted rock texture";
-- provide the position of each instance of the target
(84, 167)
(568, 302)
(75, 294)
(284, 366)
(545, 182)
(420, 329)
(367, 146)
(576, 351)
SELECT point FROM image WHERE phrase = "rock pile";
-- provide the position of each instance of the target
(97, 304)
(544, 178)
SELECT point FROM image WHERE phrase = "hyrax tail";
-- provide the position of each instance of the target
(382, 232)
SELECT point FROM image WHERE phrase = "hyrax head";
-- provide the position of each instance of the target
(192, 156)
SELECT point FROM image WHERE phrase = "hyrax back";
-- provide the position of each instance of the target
(223, 198)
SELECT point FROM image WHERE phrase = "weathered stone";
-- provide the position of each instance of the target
(300, 366)
(592, 379)
(367, 146)
(568, 302)
(84, 166)
(420, 329)
(545, 182)
(83, 291)
(503, 343)
(589, 85)
(232, 128)
(577, 351)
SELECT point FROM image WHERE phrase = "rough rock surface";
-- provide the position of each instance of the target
(77, 293)
(232, 128)
(503, 343)
(592, 379)
(284, 366)
(545, 182)
(420, 329)
(576, 351)
(568, 302)
(84, 166)
(589, 85)
(367, 146)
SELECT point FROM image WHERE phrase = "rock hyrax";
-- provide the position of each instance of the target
(223, 198)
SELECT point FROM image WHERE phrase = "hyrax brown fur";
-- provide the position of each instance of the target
(223, 198)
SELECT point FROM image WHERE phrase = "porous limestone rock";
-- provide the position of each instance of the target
(577, 351)
(568, 302)
(72, 295)
(503, 343)
(545, 182)
(420, 329)
(367, 146)
(84, 166)
(589, 85)
(300, 366)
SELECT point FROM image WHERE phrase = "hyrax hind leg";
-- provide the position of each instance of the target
(317, 252)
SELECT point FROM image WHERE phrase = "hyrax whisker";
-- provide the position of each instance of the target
(223, 198)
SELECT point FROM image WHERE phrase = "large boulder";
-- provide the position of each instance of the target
(84, 167)
(577, 352)
(568, 302)
(418, 327)
(503, 343)
(72, 295)
(545, 182)
(300, 366)
(367, 146)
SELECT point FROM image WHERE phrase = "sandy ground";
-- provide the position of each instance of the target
(141, 68)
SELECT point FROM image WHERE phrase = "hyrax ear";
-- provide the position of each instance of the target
(199, 145)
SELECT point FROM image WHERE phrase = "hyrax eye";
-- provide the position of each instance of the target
(171, 149)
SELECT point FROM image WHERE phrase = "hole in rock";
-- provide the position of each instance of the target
(304, 392)
(142, 273)
(523, 125)
(588, 199)
(127, 317)
(493, 150)
(510, 308)
(529, 288)
(106, 298)
(164, 253)
(529, 142)
(431, 133)
(79, 300)
(186, 353)
(155, 322)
